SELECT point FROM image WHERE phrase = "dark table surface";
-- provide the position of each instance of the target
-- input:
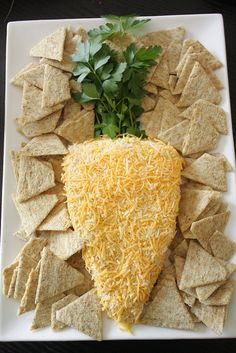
(18, 10)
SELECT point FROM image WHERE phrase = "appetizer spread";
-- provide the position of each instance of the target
(118, 187)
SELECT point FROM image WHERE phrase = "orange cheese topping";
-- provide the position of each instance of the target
(124, 194)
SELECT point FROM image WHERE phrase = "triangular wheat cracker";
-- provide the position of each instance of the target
(43, 312)
(212, 316)
(209, 111)
(221, 246)
(39, 127)
(84, 314)
(52, 46)
(167, 308)
(198, 86)
(33, 211)
(34, 76)
(200, 268)
(28, 300)
(78, 130)
(7, 274)
(176, 134)
(192, 204)
(57, 220)
(197, 47)
(55, 276)
(202, 135)
(34, 178)
(204, 228)
(208, 170)
(55, 87)
(44, 145)
(64, 244)
(222, 295)
(55, 324)
(31, 106)
(26, 264)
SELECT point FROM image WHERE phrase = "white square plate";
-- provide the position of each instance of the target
(21, 36)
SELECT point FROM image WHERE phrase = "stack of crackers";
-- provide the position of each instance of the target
(181, 108)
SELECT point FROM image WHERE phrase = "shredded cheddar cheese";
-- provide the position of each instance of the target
(124, 194)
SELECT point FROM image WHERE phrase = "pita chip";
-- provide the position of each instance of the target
(57, 325)
(57, 220)
(65, 244)
(7, 276)
(55, 87)
(221, 246)
(165, 93)
(39, 127)
(59, 191)
(34, 76)
(66, 64)
(172, 83)
(34, 178)
(79, 130)
(52, 46)
(192, 204)
(170, 116)
(163, 38)
(222, 295)
(26, 264)
(212, 316)
(55, 276)
(201, 136)
(43, 312)
(173, 54)
(210, 111)
(153, 123)
(198, 86)
(182, 60)
(56, 162)
(205, 228)
(204, 292)
(180, 250)
(49, 144)
(200, 268)
(28, 300)
(148, 103)
(208, 170)
(167, 308)
(33, 211)
(160, 76)
(213, 206)
(33, 248)
(151, 88)
(179, 267)
(18, 80)
(84, 314)
(31, 106)
(197, 47)
(71, 109)
(176, 134)
(12, 285)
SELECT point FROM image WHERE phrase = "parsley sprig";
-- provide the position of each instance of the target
(121, 26)
(117, 88)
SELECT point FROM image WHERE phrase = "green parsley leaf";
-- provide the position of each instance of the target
(110, 130)
(90, 90)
